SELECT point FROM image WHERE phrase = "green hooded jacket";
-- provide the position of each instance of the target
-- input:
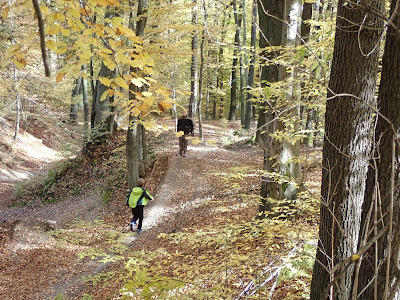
(139, 196)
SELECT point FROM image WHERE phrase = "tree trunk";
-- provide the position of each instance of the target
(201, 85)
(194, 66)
(73, 113)
(218, 106)
(102, 118)
(383, 182)
(136, 145)
(346, 150)
(243, 64)
(85, 106)
(92, 85)
(234, 79)
(291, 148)
(140, 157)
(93, 89)
(271, 35)
(250, 78)
(17, 104)
(131, 153)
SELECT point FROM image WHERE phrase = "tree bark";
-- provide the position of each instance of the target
(346, 151)
(17, 104)
(234, 78)
(218, 105)
(85, 106)
(73, 113)
(131, 153)
(102, 117)
(250, 78)
(136, 145)
(199, 104)
(194, 66)
(270, 35)
(381, 258)
(243, 63)
(291, 148)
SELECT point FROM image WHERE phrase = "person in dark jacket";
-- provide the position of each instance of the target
(185, 125)
(138, 198)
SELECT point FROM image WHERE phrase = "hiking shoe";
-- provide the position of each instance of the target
(184, 154)
(139, 231)
(132, 225)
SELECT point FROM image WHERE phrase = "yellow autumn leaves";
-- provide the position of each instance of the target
(194, 141)
(78, 37)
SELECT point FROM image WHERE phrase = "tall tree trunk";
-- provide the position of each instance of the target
(379, 264)
(17, 104)
(234, 79)
(201, 85)
(194, 65)
(243, 63)
(291, 148)
(271, 35)
(93, 90)
(250, 78)
(92, 84)
(140, 157)
(136, 146)
(132, 153)
(346, 151)
(73, 113)
(85, 106)
(307, 112)
(218, 105)
(102, 118)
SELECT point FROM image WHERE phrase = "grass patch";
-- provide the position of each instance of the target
(19, 204)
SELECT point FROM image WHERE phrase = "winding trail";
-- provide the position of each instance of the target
(179, 201)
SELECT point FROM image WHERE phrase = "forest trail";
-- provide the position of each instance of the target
(36, 268)
(183, 175)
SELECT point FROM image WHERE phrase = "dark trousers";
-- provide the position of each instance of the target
(137, 213)
(183, 144)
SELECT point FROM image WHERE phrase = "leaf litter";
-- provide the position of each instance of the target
(207, 241)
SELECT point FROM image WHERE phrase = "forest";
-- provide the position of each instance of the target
(291, 185)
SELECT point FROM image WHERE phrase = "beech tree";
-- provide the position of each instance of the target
(279, 22)
(270, 36)
(194, 72)
(378, 269)
(346, 146)
(234, 77)
(251, 71)
(135, 138)
(73, 114)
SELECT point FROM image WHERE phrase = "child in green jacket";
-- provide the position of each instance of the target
(138, 198)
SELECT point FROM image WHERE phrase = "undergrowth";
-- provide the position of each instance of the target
(233, 257)
(249, 258)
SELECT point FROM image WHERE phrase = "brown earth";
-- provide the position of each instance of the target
(34, 266)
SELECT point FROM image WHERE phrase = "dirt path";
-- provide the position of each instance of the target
(178, 203)
(183, 175)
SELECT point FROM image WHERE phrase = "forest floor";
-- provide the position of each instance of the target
(47, 244)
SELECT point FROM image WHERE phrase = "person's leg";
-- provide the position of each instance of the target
(184, 147)
(134, 218)
(181, 141)
(140, 216)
